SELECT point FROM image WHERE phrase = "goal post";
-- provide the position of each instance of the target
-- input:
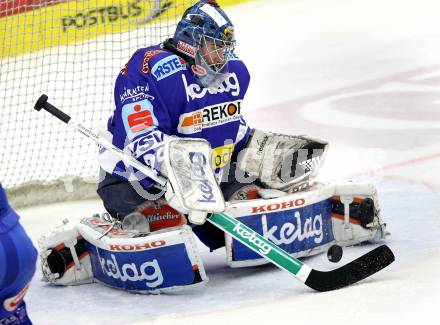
(72, 51)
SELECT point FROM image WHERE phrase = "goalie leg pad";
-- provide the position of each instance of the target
(161, 261)
(299, 223)
(307, 223)
(356, 214)
(64, 257)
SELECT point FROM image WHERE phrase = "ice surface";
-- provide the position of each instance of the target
(366, 76)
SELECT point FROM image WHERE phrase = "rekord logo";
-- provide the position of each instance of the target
(209, 116)
(199, 163)
(149, 271)
(194, 91)
(167, 67)
(261, 246)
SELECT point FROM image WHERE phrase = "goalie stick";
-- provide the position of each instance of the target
(126, 158)
(353, 272)
(356, 270)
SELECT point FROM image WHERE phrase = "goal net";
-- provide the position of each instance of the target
(72, 51)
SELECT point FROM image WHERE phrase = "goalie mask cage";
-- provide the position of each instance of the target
(72, 51)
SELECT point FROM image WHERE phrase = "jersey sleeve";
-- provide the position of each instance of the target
(244, 77)
(140, 123)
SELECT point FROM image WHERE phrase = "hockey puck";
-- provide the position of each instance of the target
(334, 253)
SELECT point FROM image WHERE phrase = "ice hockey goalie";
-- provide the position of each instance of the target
(153, 249)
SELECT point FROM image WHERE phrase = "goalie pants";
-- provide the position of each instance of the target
(120, 199)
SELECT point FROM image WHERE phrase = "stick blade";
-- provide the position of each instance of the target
(355, 271)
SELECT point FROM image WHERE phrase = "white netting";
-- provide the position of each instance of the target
(72, 51)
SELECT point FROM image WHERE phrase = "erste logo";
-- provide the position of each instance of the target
(140, 120)
(167, 67)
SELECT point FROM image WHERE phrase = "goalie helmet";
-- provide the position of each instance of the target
(206, 35)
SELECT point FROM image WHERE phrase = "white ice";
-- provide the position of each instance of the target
(366, 76)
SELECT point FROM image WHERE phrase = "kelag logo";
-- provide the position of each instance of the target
(195, 91)
(262, 247)
(199, 163)
(168, 66)
(294, 230)
(142, 270)
(149, 271)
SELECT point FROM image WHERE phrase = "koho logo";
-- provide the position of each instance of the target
(279, 206)
(138, 247)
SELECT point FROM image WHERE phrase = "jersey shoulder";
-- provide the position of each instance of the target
(238, 68)
(140, 61)
(236, 64)
(155, 62)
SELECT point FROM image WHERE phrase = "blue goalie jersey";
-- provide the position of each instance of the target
(157, 95)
